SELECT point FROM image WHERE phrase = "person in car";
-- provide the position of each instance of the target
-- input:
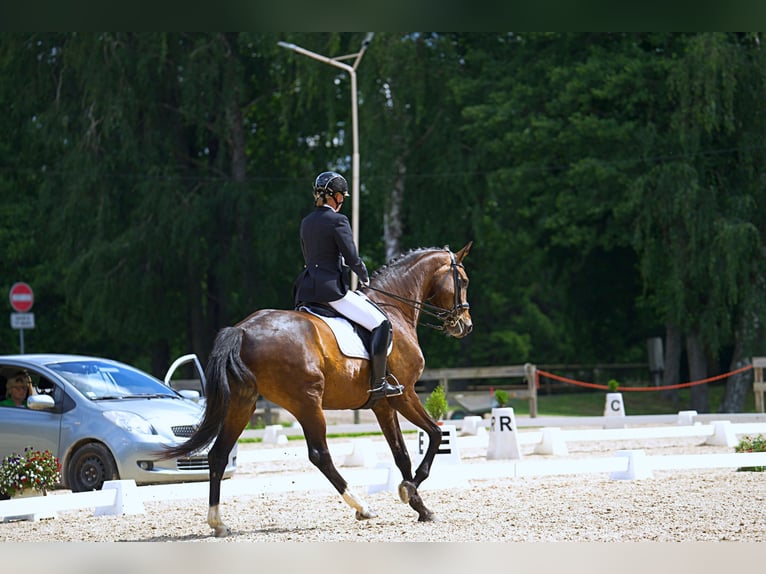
(17, 390)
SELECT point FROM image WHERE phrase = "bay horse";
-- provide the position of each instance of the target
(291, 358)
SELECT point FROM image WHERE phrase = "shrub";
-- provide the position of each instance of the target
(501, 397)
(436, 403)
(752, 444)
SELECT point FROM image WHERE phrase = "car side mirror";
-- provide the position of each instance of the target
(40, 402)
(189, 395)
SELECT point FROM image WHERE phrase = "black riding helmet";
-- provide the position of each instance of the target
(329, 183)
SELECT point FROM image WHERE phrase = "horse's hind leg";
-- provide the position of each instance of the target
(314, 429)
(235, 422)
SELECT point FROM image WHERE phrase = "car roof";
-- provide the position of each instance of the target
(43, 358)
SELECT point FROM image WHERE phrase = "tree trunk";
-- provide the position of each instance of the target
(697, 371)
(672, 373)
(737, 386)
(392, 218)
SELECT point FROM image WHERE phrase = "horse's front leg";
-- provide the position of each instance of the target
(319, 455)
(408, 488)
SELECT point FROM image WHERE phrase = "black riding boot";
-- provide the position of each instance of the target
(379, 341)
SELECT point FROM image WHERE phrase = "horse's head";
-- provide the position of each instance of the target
(429, 282)
(449, 293)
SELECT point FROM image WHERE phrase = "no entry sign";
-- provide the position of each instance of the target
(22, 298)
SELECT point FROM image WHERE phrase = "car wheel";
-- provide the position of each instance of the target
(89, 467)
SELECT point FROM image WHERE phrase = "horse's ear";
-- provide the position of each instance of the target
(460, 255)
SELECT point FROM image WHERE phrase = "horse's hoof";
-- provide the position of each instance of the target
(221, 531)
(428, 517)
(406, 490)
(365, 515)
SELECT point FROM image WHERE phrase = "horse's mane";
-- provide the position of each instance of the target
(405, 257)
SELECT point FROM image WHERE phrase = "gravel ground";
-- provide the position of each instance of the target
(672, 506)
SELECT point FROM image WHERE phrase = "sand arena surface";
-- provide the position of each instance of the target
(672, 506)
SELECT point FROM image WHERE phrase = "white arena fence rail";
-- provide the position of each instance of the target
(364, 468)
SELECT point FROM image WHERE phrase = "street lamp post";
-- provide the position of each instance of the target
(354, 122)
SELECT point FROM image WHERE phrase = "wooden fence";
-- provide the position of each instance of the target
(526, 390)
(759, 387)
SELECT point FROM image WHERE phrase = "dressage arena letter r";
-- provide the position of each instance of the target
(505, 423)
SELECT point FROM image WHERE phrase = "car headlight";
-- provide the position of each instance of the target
(130, 422)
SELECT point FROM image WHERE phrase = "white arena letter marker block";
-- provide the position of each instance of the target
(127, 500)
(686, 417)
(472, 426)
(503, 436)
(448, 451)
(552, 442)
(638, 466)
(362, 454)
(272, 434)
(723, 434)
(614, 411)
(445, 470)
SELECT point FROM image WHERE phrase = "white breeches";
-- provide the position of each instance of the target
(359, 309)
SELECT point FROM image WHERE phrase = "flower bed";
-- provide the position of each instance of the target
(34, 469)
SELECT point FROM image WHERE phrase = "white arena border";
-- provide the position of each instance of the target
(123, 497)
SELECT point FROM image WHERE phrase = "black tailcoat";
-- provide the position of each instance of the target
(326, 242)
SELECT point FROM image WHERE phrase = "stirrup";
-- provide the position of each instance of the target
(386, 389)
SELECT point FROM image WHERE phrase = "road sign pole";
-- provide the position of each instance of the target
(21, 340)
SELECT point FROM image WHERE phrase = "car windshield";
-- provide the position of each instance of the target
(99, 380)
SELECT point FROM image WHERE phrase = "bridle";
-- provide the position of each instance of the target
(448, 317)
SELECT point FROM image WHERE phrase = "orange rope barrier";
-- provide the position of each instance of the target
(661, 388)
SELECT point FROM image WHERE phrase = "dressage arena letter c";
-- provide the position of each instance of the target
(615, 405)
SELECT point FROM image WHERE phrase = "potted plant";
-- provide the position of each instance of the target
(436, 404)
(501, 398)
(30, 472)
(752, 444)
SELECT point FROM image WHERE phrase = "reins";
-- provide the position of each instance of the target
(446, 316)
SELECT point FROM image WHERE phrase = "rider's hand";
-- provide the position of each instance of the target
(364, 283)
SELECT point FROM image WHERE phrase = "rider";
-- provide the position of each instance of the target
(328, 246)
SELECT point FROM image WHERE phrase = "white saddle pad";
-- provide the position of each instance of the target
(348, 341)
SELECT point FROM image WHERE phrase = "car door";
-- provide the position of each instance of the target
(195, 381)
(21, 427)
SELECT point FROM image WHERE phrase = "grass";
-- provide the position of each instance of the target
(636, 403)
(587, 404)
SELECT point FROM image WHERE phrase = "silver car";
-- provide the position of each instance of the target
(103, 419)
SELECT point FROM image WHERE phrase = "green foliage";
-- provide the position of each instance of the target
(752, 444)
(33, 469)
(501, 397)
(152, 184)
(436, 404)
(613, 385)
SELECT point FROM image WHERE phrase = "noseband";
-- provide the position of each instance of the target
(448, 317)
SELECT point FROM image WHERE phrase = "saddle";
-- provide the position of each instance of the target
(353, 339)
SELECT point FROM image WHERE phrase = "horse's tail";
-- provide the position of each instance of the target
(223, 364)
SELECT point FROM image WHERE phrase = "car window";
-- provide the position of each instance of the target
(98, 380)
